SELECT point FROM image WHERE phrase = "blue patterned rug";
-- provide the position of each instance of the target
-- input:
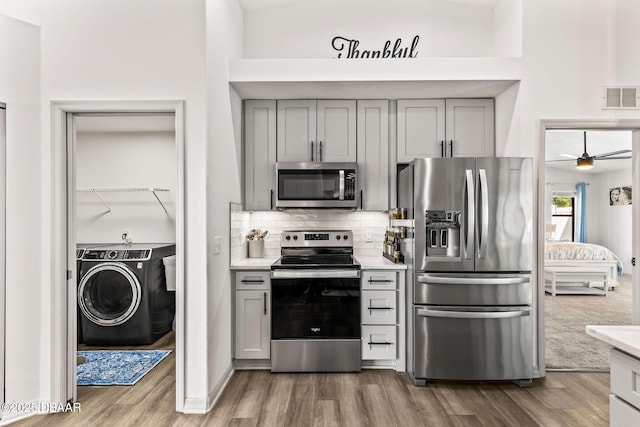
(117, 367)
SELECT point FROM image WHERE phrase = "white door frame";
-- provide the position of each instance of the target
(606, 124)
(63, 361)
(3, 225)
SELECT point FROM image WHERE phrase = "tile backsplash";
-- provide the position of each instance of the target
(360, 223)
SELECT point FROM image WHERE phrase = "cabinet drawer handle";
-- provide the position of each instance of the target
(380, 343)
(380, 281)
(264, 298)
(252, 280)
(380, 308)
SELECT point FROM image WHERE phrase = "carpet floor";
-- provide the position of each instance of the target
(567, 344)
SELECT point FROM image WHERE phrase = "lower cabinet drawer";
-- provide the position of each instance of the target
(625, 377)
(379, 307)
(378, 342)
(621, 414)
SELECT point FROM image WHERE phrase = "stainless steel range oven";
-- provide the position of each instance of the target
(315, 300)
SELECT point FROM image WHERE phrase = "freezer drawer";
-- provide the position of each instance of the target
(473, 343)
(472, 289)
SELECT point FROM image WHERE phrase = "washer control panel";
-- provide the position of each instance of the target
(117, 254)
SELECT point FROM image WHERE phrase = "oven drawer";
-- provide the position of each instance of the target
(379, 307)
(379, 342)
(473, 343)
(253, 280)
(379, 280)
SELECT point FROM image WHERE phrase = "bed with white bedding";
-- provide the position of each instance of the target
(583, 255)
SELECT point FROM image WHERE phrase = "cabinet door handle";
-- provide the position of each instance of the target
(442, 149)
(264, 298)
(361, 200)
(451, 148)
(271, 200)
(319, 151)
(312, 151)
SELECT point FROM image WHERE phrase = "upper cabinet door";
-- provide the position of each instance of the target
(421, 128)
(259, 154)
(470, 128)
(297, 131)
(336, 137)
(373, 154)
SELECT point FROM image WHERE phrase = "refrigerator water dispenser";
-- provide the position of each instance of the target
(443, 233)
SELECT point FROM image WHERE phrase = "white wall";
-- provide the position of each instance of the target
(118, 50)
(125, 160)
(306, 29)
(25, 310)
(615, 222)
(223, 178)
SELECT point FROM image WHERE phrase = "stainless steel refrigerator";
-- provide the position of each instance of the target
(470, 261)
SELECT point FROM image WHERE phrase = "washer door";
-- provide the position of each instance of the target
(109, 294)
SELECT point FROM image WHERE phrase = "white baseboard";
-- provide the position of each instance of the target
(219, 387)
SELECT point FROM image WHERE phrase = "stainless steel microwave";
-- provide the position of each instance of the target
(311, 185)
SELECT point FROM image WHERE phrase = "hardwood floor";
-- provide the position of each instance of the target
(370, 398)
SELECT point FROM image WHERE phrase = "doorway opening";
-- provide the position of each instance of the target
(119, 187)
(582, 231)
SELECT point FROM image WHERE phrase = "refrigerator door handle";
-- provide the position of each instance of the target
(427, 312)
(470, 214)
(484, 214)
(438, 280)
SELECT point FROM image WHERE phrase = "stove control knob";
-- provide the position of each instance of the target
(338, 237)
(345, 237)
(288, 237)
(295, 237)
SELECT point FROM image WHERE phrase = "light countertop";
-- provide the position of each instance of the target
(366, 263)
(378, 263)
(625, 338)
(254, 263)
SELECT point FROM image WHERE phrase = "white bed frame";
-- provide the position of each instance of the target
(610, 266)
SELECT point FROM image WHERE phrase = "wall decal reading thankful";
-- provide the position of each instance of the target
(348, 48)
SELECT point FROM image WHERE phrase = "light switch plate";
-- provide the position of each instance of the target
(368, 236)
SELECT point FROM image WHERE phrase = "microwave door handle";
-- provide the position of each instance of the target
(484, 214)
(470, 213)
(341, 184)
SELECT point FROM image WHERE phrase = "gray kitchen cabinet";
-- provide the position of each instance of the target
(259, 154)
(373, 154)
(383, 313)
(316, 131)
(445, 128)
(252, 315)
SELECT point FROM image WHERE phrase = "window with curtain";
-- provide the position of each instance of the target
(563, 217)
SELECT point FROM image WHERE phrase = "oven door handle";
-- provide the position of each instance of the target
(427, 312)
(315, 274)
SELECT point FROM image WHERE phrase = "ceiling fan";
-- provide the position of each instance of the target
(586, 161)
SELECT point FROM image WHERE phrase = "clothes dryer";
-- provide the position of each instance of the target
(122, 294)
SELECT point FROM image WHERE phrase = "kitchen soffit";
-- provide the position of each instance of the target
(372, 89)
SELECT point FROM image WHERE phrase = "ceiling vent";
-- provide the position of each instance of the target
(620, 98)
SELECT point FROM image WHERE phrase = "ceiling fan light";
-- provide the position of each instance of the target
(584, 163)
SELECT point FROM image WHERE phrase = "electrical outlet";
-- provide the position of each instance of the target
(216, 244)
(368, 236)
